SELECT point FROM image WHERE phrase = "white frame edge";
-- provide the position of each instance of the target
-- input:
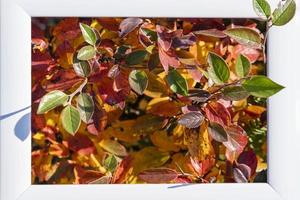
(284, 108)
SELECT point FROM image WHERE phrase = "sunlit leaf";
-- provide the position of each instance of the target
(284, 12)
(236, 142)
(164, 107)
(138, 81)
(70, 118)
(86, 53)
(262, 8)
(261, 86)
(177, 83)
(51, 101)
(242, 66)
(163, 141)
(245, 36)
(218, 70)
(85, 105)
(217, 112)
(88, 33)
(168, 59)
(156, 86)
(110, 163)
(149, 157)
(113, 147)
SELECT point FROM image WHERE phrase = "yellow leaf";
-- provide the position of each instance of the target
(148, 124)
(164, 107)
(199, 144)
(163, 141)
(156, 86)
(122, 130)
(149, 157)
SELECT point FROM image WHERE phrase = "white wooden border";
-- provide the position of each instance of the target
(15, 87)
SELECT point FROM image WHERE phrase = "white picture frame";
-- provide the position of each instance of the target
(15, 99)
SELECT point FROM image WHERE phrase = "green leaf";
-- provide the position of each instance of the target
(284, 13)
(138, 81)
(177, 83)
(235, 93)
(136, 57)
(70, 118)
(82, 68)
(88, 33)
(218, 70)
(110, 163)
(51, 101)
(245, 36)
(85, 106)
(242, 66)
(217, 132)
(262, 8)
(153, 61)
(86, 53)
(151, 34)
(261, 86)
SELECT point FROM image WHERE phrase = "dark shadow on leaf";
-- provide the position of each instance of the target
(22, 128)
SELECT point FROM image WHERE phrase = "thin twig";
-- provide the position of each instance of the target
(78, 90)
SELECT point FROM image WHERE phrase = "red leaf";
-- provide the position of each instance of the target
(128, 25)
(182, 179)
(217, 112)
(248, 158)
(168, 59)
(237, 140)
(250, 53)
(37, 38)
(202, 167)
(121, 81)
(83, 176)
(41, 64)
(98, 123)
(109, 23)
(62, 85)
(158, 175)
(80, 144)
(67, 29)
(122, 170)
(165, 36)
(108, 95)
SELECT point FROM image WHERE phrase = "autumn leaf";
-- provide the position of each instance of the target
(158, 175)
(128, 25)
(217, 112)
